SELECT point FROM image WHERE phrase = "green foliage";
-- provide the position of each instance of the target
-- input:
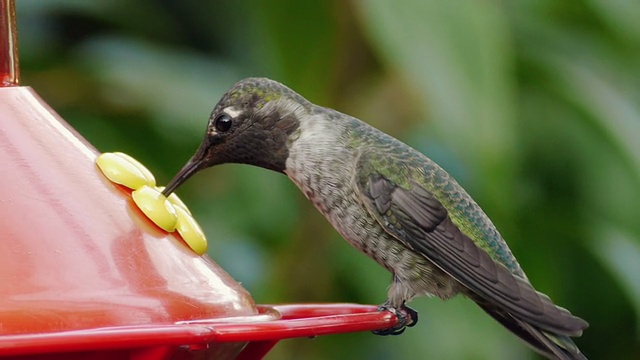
(532, 105)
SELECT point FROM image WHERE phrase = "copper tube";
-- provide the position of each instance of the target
(9, 64)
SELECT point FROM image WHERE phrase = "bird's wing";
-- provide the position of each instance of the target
(415, 217)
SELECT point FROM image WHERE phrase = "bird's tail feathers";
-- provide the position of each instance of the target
(547, 343)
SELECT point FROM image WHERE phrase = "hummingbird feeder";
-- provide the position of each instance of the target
(83, 275)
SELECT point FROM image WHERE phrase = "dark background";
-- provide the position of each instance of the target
(532, 105)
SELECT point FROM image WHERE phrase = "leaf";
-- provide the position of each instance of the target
(619, 252)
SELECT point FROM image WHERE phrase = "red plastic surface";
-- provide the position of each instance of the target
(264, 331)
(84, 274)
(75, 253)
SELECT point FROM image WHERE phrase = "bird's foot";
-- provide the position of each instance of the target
(407, 317)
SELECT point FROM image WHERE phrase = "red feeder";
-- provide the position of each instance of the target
(84, 274)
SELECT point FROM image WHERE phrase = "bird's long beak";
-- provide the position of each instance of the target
(196, 163)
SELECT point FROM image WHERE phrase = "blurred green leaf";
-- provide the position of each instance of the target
(178, 87)
(620, 252)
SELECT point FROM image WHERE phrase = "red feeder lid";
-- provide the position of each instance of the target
(76, 252)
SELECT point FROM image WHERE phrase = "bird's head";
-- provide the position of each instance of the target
(253, 124)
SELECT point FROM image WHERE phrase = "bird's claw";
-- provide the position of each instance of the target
(407, 317)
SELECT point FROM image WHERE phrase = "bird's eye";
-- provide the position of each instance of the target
(223, 123)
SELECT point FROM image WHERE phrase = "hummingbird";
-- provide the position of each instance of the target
(389, 201)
